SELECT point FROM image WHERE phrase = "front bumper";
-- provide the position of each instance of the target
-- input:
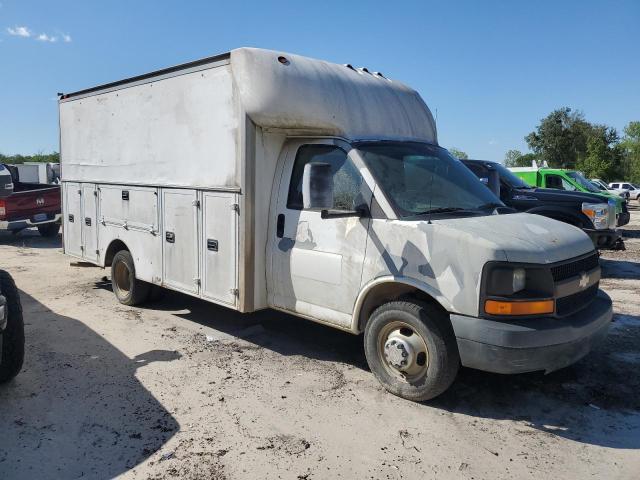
(532, 344)
(605, 238)
(29, 222)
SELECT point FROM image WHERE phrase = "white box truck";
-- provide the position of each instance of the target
(257, 179)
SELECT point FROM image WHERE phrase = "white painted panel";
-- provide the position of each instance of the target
(178, 131)
(314, 265)
(89, 222)
(219, 247)
(72, 222)
(180, 239)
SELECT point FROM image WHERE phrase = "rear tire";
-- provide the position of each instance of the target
(127, 288)
(421, 331)
(49, 229)
(13, 336)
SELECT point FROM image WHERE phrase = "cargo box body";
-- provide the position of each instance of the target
(178, 165)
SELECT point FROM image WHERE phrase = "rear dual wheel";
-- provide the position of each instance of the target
(127, 288)
(411, 349)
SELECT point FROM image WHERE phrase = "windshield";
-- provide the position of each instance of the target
(419, 178)
(583, 182)
(508, 177)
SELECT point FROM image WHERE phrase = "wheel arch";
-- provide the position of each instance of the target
(114, 247)
(385, 289)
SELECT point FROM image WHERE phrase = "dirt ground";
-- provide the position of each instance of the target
(184, 389)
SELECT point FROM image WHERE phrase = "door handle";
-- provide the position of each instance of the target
(71, 218)
(170, 237)
(87, 221)
(280, 226)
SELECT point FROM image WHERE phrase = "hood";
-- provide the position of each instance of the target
(523, 237)
(562, 196)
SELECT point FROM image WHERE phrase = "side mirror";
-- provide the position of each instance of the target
(317, 186)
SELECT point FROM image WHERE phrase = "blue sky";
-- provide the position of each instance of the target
(489, 70)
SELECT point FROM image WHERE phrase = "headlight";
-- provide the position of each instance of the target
(516, 289)
(598, 213)
(519, 277)
(505, 281)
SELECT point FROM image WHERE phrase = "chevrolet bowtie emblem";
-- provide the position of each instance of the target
(584, 280)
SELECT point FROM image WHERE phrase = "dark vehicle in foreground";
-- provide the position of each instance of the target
(31, 205)
(589, 212)
(11, 322)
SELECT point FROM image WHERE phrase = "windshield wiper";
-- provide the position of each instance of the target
(441, 210)
(489, 205)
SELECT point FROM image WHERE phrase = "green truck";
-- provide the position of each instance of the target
(572, 181)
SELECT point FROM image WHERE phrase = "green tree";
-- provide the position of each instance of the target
(561, 138)
(458, 153)
(566, 140)
(601, 161)
(630, 150)
(515, 158)
(53, 157)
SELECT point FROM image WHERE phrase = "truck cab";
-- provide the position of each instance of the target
(571, 181)
(320, 190)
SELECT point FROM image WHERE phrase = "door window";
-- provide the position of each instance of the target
(346, 178)
(559, 183)
(627, 186)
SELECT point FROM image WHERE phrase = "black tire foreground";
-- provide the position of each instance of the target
(49, 229)
(434, 327)
(13, 336)
(127, 288)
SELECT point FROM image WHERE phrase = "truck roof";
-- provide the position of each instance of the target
(294, 93)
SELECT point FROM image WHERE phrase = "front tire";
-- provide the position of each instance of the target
(411, 349)
(127, 288)
(13, 336)
(49, 229)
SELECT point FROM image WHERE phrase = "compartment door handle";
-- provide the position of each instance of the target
(280, 226)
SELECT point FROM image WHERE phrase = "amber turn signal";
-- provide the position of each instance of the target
(538, 307)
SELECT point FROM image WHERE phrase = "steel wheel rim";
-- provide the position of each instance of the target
(407, 341)
(122, 277)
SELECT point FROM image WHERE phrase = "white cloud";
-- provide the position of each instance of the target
(493, 142)
(43, 37)
(19, 31)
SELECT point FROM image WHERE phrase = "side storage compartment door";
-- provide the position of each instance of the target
(180, 240)
(89, 222)
(219, 247)
(72, 221)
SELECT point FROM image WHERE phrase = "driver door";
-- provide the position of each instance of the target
(316, 264)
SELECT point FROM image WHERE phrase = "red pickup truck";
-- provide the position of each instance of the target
(32, 205)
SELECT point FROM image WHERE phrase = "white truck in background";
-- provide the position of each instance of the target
(257, 179)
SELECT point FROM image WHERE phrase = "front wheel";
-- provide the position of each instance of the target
(411, 349)
(127, 288)
(12, 337)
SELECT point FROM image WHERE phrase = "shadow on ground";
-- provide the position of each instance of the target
(596, 401)
(619, 269)
(29, 238)
(77, 409)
